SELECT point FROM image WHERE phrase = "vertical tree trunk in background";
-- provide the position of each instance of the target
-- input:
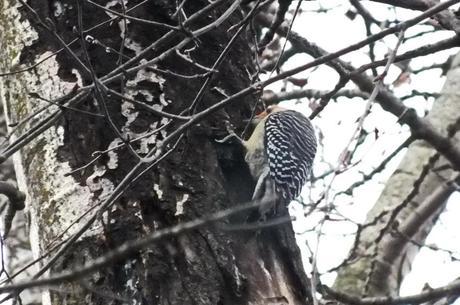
(381, 274)
(207, 266)
(16, 248)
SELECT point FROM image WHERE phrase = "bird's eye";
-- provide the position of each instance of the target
(269, 109)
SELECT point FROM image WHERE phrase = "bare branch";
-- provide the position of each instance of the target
(435, 294)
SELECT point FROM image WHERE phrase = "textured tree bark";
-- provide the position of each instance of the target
(206, 266)
(380, 268)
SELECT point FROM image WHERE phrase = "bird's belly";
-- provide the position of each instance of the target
(256, 161)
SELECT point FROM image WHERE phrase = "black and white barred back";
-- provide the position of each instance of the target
(290, 143)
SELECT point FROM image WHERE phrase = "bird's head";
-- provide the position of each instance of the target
(262, 115)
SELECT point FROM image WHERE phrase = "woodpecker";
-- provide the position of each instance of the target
(280, 152)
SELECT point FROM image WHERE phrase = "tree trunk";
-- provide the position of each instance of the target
(199, 177)
(414, 195)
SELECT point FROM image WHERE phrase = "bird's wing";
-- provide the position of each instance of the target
(290, 147)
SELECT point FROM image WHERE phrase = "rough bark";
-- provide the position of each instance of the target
(206, 266)
(380, 267)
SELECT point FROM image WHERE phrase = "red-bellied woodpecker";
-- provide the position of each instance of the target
(281, 150)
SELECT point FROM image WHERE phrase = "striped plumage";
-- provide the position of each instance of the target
(282, 146)
(290, 145)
